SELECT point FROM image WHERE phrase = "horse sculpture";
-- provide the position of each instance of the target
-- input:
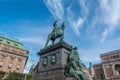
(58, 32)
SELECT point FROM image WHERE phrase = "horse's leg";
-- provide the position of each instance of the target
(61, 38)
(53, 41)
(47, 40)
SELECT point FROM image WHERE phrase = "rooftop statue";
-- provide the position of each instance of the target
(57, 32)
(91, 71)
(74, 66)
(90, 68)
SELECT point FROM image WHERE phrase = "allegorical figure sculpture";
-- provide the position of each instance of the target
(57, 32)
(74, 66)
(91, 71)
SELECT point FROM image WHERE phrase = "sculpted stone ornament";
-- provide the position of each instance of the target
(74, 66)
(45, 61)
(53, 59)
(57, 32)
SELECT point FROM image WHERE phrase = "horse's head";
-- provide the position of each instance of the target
(63, 25)
(55, 23)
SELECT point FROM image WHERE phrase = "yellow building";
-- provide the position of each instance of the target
(13, 55)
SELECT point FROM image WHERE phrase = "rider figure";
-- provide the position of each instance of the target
(55, 27)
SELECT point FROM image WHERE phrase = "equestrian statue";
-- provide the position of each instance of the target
(57, 32)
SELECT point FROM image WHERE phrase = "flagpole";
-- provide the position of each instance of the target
(28, 60)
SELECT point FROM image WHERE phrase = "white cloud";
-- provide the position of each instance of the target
(119, 39)
(110, 16)
(90, 55)
(89, 58)
(84, 8)
(75, 24)
(33, 40)
(104, 34)
(106, 15)
(56, 8)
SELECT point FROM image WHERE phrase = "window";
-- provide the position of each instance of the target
(10, 65)
(18, 67)
(1, 39)
(114, 56)
(3, 55)
(19, 59)
(1, 63)
(12, 57)
(117, 56)
(15, 44)
(8, 42)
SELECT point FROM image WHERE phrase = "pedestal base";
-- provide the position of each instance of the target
(50, 71)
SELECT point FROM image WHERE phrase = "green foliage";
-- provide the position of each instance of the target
(15, 76)
(18, 76)
(29, 77)
(2, 74)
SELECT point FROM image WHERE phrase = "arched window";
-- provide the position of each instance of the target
(18, 67)
(117, 68)
(19, 59)
(12, 57)
(3, 55)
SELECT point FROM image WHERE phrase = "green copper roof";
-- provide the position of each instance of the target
(11, 42)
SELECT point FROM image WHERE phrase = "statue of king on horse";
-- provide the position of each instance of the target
(57, 32)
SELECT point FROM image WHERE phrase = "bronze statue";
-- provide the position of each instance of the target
(57, 32)
(74, 66)
(90, 71)
(90, 68)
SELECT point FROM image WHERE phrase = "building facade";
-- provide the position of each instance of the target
(109, 68)
(13, 55)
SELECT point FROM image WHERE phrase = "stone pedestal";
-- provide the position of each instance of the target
(52, 61)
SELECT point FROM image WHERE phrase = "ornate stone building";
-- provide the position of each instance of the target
(13, 55)
(109, 68)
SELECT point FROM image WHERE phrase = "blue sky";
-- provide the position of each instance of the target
(91, 25)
